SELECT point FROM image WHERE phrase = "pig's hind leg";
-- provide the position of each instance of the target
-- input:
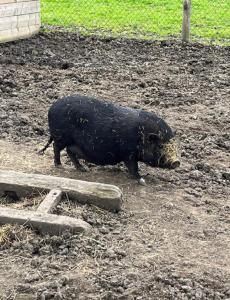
(74, 154)
(58, 147)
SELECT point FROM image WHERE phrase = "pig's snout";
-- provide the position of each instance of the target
(170, 155)
(174, 164)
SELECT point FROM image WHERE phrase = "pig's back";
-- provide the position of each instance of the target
(104, 131)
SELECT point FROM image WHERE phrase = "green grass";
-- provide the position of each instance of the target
(210, 18)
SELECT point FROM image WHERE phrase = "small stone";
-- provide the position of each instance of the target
(120, 290)
(132, 276)
(168, 205)
(44, 295)
(26, 287)
(110, 253)
(58, 296)
(40, 77)
(65, 251)
(35, 262)
(26, 297)
(121, 252)
(175, 275)
(126, 282)
(203, 167)
(195, 174)
(31, 278)
(186, 288)
(159, 277)
(198, 294)
(104, 230)
(46, 250)
(217, 296)
(142, 84)
(64, 280)
(61, 247)
(194, 117)
(226, 176)
(25, 119)
(167, 281)
(3, 116)
(114, 281)
(185, 281)
(116, 232)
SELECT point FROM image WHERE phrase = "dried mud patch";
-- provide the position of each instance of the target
(171, 240)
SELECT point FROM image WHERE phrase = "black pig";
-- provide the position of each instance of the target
(105, 134)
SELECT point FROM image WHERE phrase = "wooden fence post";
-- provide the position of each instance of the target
(186, 20)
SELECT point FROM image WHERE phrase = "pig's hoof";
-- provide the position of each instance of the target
(142, 181)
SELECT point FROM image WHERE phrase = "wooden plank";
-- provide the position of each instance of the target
(44, 223)
(102, 195)
(186, 20)
(50, 201)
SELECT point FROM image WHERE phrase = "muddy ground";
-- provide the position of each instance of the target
(172, 238)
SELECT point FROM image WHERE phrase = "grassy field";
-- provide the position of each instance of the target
(210, 18)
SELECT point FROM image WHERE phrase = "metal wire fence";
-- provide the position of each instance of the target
(210, 19)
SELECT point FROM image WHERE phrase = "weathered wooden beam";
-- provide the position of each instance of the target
(186, 20)
(43, 222)
(102, 195)
(50, 201)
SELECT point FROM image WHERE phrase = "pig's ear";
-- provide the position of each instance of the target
(153, 138)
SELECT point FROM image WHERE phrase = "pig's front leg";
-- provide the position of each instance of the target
(132, 166)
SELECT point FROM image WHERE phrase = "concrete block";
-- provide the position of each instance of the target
(8, 23)
(7, 1)
(21, 8)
